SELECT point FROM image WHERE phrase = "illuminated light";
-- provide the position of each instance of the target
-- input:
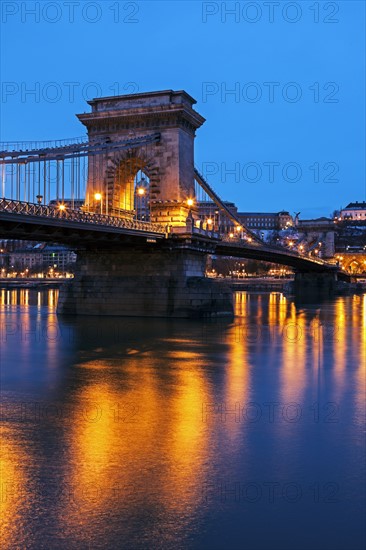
(190, 202)
(98, 196)
(61, 207)
(238, 228)
(231, 235)
(316, 251)
(250, 239)
(291, 243)
(141, 191)
(209, 221)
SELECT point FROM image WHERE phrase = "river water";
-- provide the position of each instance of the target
(169, 434)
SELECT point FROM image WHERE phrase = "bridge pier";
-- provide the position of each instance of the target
(144, 283)
(313, 286)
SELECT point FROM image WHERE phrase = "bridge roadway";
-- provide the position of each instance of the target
(28, 221)
(34, 222)
(273, 254)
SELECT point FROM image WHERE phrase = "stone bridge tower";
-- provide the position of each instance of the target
(168, 163)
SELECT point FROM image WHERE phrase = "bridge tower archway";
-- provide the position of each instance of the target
(128, 174)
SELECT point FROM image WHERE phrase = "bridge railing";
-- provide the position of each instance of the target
(29, 145)
(31, 209)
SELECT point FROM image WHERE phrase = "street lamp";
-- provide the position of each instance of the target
(98, 197)
(39, 199)
(140, 192)
(190, 202)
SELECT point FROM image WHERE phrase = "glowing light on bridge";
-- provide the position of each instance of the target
(98, 196)
(190, 202)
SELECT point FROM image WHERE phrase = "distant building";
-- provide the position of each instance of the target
(43, 257)
(354, 211)
(251, 220)
(58, 257)
(26, 259)
(266, 220)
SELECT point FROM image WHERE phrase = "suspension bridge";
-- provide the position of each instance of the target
(127, 198)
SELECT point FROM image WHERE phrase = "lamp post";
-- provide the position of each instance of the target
(61, 208)
(189, 219)
(99, 198)
(140, 192)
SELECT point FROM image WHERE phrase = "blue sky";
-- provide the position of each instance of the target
(291, 135)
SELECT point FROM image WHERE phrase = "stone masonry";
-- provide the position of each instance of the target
(169, 163)
(162, 283)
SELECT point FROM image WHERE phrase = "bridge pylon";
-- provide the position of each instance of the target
(167, 162)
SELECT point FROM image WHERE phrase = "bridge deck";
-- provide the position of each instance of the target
(48, 223)
(78, 228)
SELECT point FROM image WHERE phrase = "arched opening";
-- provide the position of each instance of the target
(131, 183)
(124, 185)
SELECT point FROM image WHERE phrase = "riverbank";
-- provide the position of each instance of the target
(286, 286)
(259, 284)
(22, 282)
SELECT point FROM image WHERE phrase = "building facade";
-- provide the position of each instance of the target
(251, 220)
(266, 220)
(42, 257)
(355, 211)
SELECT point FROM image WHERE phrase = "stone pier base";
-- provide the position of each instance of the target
(143, 283)
(315, 287)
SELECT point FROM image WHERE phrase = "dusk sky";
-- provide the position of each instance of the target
(291, 135)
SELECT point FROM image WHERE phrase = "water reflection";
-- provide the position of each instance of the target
(25, 297)
(141, 431)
